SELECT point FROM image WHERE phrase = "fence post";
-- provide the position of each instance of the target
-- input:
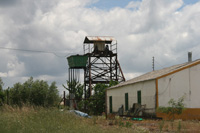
(64, 98)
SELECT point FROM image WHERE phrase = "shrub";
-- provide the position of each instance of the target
(129, 124)
(175, 107)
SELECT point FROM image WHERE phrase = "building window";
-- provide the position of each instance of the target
(126, 101)
(110, 103)
(139, 98)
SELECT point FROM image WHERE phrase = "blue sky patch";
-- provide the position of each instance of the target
(108, 4)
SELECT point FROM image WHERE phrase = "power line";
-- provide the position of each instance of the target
(193, 51)
(35, 51)
(158, 64)
(26, 50)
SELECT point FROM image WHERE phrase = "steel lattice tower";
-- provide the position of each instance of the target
(102, 64)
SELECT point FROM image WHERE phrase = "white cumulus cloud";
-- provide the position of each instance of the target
(165, 29)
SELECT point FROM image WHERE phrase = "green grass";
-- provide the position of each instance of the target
(38, 119)
(30, 119)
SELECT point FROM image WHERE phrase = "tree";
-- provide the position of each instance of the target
(96, 103)
(2, 94)
(32, 92)
(1, 84)
(16, 94)
(52, 96)
(39, 93)
(74, 87)
(113, 83)
(174, 108)
(27, 90)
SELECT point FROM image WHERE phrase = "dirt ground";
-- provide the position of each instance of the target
(169, 126)
(192, 126)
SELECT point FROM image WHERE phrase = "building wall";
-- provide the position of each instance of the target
(183, 83)
(195, 86)
(148, 94)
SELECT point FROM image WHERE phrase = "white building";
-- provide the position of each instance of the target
(156, 88)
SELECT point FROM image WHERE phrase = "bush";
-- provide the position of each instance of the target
(175, 107)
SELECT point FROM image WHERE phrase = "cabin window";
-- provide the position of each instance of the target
(110, 103)
(126, 101)
(139, 98)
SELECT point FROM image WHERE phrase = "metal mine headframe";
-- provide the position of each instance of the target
(99, 62)
(102, 65)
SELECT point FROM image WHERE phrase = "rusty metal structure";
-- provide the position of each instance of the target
(99, 62)
(102, 65)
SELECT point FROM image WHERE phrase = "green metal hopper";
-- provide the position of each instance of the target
(77, 61)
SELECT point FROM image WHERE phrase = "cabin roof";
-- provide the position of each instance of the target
(92, 39)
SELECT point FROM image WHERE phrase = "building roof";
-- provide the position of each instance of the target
(158, 73)
(92, 39)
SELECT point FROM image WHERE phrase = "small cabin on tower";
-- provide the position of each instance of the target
(100, 45)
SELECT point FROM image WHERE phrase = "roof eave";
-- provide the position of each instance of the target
(117, 86)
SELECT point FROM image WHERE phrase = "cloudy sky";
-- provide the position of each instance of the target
(165, 29)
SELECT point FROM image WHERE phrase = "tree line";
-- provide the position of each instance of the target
(40, 93)
(31, 92)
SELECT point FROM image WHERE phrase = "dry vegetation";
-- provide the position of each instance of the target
(37, 119)
(152, 125)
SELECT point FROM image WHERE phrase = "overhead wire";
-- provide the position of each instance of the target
(35, 51)
(193, 50)
(158, 64)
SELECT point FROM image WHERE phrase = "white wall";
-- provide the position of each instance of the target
(118, 95)
(183, 83)
(195, 86)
